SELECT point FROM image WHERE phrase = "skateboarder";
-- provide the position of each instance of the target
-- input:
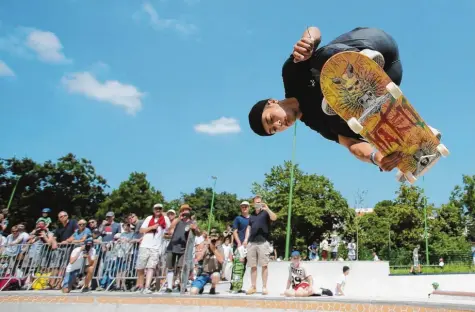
(304, 99)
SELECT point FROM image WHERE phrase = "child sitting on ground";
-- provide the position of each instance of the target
(302, 284)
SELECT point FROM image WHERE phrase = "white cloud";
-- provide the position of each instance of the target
(111, 91)
(47, 46)
(6, 71)
(159, 23)
(222, 125)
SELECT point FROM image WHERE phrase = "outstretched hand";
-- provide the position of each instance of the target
(303, 49)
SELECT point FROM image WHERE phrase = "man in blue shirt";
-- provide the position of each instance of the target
(240, 224)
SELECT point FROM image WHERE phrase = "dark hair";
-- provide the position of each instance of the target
(345, 268)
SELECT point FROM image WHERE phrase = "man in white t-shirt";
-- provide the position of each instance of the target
(76, 263)
(341, 282)
(150, 250)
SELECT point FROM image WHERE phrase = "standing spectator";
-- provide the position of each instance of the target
(153, 229)
(415, 259)
(341, 282)
(352, 250)
(228, 259)
(67, 228)
(240, 224)
(60, 256)
(257, 235)
(3, 223)
(312, 251)
(92, 225)
(179, 230)
(228, 233)
(45, 217)
(76, 263)
(334, 247)
(81, 234)
(375, 256)
(324, 248)
(109, 227)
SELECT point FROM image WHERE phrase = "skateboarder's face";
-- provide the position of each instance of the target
(276, 117)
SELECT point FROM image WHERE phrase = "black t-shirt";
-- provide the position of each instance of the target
(179, 238)
(64, 232)
(260, 225)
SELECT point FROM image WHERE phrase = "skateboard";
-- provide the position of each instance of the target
(359, 91)
(239, 269)
(188, 261)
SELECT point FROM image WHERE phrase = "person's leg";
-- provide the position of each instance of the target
(263, 262)
(152, 264)
(170, 269)
(89, 272)
(198, 284)
(142, 259)
(252, 263)
(215, 278)
(289, 292)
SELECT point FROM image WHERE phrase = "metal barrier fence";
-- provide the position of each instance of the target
(39, 266)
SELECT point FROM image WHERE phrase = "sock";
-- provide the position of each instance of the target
(170, 280)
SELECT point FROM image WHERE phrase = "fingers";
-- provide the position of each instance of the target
(391, 161)
(303, 49)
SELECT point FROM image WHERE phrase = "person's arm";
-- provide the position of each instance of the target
(272, 215)
(145, 229)
(289, 279)
(364, 152)
(217, 252)
(248, 232)
(339, 291)
(172, 226)
(314, 34)
(74, 257)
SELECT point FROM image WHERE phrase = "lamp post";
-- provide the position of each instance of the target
(289, 212)
(13, 193)
(212, 204)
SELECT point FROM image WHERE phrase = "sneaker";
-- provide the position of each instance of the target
(168, 290)
(264, 291)
(251, 291)
(147, 291)
(85, 290)
(327, 109)
(99, 288)
(375, 56)
(212, 291)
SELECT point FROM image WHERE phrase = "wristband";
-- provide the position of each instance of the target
(371, 157)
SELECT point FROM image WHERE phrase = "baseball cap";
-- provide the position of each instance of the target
(171, 211)
(46, 210)
(110, 214)
(255, 118)
(295, 253)
(245, 203)
(156, 206)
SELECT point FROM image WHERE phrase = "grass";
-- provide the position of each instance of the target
(435, 269)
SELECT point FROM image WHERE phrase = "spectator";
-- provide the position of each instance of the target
(441, 263)
(340, 284)
(12, 243)
(301, 282)
(76, 263)
(324, 248)
(124, 251)
(3, 223)
(352, 250)
(312, 251)
(375, 256)
(210, 261)
(257, 235)
(334, 247)
(92, 225)
(61, 255)
(81, 234)
(240, 224)
(228, 259)
(415, 259)
(67, 228)
(179, 230)
(153, 229)
(109, 227)
(45, 217)
(228, 233)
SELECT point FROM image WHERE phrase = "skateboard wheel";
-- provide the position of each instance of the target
(355, 125)
(394, 90)
(410, 177)
(443, 150)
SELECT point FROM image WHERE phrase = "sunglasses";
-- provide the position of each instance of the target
(82, 224)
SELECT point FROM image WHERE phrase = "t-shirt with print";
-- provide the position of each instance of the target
(109, 230)
(77, 265)
(154, 240)
(297, 274)
(240, 224)
(342, 282)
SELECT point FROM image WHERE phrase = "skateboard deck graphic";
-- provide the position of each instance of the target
(361, 93)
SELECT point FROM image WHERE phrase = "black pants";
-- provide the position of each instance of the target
(359, 39)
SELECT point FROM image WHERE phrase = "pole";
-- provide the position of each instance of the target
(389, 242)
(425, 228)
(357, 239)
(212, 204)
(289, 212)
(13, 193)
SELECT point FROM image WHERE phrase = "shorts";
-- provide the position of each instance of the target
(69, 279)
(258, 254)
(302, 285)
(147, 259)
(172, 260)
(334, 254)
(202, 280)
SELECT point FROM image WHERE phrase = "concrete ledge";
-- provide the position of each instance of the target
(454, 293)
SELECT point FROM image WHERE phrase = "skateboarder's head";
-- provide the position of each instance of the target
(270, 116)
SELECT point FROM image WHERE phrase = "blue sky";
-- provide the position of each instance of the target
(139, 86)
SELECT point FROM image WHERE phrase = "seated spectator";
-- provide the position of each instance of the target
(76, 263)
(301, 282)
(210, 262)
(340, 284)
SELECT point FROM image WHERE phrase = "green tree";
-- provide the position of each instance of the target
(70, 184)
(133, 195)
(317, 208)
(463, 197)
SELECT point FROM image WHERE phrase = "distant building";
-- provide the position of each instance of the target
(362, 211)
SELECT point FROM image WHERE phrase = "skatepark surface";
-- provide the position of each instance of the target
(369, 287)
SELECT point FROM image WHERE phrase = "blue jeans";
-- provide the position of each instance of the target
(69, 279)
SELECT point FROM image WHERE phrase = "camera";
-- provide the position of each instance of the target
(87, 247)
